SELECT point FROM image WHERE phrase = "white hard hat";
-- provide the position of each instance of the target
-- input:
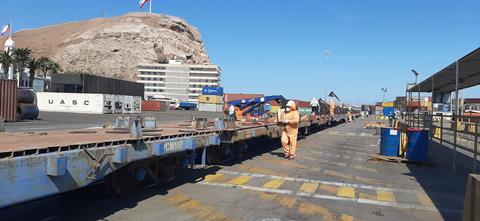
(290, 103)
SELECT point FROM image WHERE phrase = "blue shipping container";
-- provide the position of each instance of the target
(212, 91)
(388, 110)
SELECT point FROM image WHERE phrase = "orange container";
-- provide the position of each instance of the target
(8, 100)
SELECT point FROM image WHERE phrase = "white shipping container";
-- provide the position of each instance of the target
(127, 104)
(70, 102)
(210, 107)
(108, 103)
(118, 104)
(137, 105)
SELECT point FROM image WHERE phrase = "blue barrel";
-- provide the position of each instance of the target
(389, 142)
(417, 145)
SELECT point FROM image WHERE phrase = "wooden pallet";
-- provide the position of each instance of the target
(378, 157)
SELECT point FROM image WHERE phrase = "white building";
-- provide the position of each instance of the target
(13, 74)
(176, 81)
(9, 44)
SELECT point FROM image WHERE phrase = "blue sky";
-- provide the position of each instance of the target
(276, 47)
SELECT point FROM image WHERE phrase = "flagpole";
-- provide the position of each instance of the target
(11, 27)
(151, 6)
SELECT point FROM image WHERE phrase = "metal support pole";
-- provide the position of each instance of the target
(475, 147)
(419, 102)
(441, 128)
(456, 118)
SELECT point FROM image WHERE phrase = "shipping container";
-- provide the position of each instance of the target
(388, 110)
(210, 107)
(218, 91)
(85, 83)
(387, 104)
(8, 100)
(234, 97)
(154, 105)
(87, 103)
(210, 99)
(70, 102)
(137, 104)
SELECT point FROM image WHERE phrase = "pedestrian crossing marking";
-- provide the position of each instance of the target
(212, 177)
(386, 196)
(366, 196)
(328, 188)
(274, 184)
(308, 187)
(240, 180)
(348, 192)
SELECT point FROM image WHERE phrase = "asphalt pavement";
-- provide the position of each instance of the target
(332, 178)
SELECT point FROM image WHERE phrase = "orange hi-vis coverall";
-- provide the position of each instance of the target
(290, 133)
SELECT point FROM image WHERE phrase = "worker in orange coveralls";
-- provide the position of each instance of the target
(290, 132)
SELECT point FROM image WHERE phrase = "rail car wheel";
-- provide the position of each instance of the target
(120, 182)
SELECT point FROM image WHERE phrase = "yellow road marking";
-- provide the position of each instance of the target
(267, 196)
(338, 174)
(240, 180)
(385, 196)
(311, 209)
(345, 217)
(273, 184)
(212, 177)
(286, 201)
(328, 188)
(308, 187)
(346, 192)
(425, 199)
(196, 208)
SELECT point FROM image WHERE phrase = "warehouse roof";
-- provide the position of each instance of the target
(444, 80)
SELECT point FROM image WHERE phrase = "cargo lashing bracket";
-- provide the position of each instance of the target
(94, 164)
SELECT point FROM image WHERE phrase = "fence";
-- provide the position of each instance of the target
(460, 132)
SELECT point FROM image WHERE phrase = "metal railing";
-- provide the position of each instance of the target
(459, 132)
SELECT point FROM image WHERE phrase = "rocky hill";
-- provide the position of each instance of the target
(113, 47)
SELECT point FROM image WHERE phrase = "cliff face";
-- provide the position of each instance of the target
(113, 47)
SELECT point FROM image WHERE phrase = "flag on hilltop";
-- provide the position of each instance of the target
(5, 29)
(143, 2)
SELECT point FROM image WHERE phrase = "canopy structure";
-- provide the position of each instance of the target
(444, 80)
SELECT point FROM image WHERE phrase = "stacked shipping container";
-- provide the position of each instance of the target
(211, 99)
(8, 100)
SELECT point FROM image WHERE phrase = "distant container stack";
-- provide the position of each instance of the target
(388, 108)
(211, 99)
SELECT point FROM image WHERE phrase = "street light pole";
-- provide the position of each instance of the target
(327, 54)
(419, 103)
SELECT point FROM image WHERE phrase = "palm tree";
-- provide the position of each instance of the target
(47, 66)
(6, 60)
(32, 65)
(21, 57)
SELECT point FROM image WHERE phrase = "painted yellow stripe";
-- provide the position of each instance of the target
(424, 199)
(286, 201)
(346, 192)
(345, 217)
(196, 208)
(212, 177)
(328, 188)
(240, 180)
(311, 209)
(274, 184)
(308, 187)
(267, 196)
(385, 196)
